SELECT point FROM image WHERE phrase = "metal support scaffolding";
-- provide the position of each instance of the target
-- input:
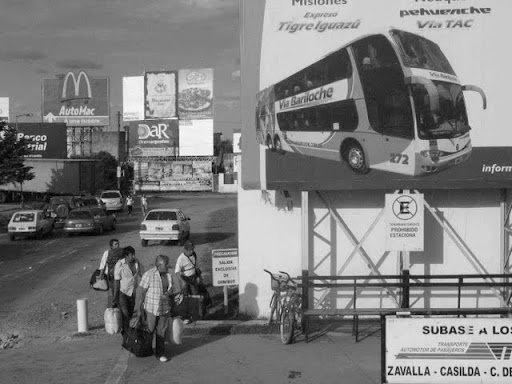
(504, 297)
(79, 141)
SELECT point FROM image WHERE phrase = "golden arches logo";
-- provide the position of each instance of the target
(76, 83)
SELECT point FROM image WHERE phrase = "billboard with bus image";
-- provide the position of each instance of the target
(369, 95)
(389, 101)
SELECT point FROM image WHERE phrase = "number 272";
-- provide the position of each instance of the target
(398, 158)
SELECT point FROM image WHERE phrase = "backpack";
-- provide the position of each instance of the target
(114, 255)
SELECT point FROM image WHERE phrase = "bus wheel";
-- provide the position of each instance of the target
(270, 144)
(277, 145)
(355, 158)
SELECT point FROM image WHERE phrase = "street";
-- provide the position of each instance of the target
(40, 280)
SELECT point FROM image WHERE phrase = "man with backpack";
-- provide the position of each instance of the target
(107, 266)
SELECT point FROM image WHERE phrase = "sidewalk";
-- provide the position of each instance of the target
(211, 352)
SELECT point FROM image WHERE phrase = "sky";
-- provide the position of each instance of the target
(117, 38)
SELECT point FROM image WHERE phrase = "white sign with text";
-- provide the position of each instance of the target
(224, 267)
(448, 350)
(404, 222)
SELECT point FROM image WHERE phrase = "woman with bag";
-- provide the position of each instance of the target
(186, 267)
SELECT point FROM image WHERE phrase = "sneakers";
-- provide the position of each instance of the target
(187, 321)
(163, 359)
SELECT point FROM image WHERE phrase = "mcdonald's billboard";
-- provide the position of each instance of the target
(76, 99)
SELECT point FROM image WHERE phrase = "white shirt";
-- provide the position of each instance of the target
(186, 266)
(129, 281)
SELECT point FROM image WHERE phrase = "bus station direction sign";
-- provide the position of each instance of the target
(447, 350)
(225, 267)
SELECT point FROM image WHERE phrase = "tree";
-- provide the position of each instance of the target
(109, 164)
(13, 150)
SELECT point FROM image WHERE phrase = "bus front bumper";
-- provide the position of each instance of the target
(425, 165)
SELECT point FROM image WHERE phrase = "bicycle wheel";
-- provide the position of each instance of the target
(274, 303)
(287, 325)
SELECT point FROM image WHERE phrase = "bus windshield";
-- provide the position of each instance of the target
(418, 52)
(448, 119)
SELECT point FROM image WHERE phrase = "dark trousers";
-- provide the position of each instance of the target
(158, 324)
(127, 307)
(111, 296)
(129, 207)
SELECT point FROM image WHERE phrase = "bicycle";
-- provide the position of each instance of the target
(287, 307)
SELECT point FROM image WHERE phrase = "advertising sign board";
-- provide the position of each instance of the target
(133, 98)
(47, 140)
(196, 137)
(160, 95)
(195, 97)
(154, 138)
(448, 350)
(224, 267)
(189, 175)
(344, 101)
(237, 142)
(4, 109)
(404, 222)
(76, 99)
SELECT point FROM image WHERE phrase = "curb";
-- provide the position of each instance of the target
(229, 327)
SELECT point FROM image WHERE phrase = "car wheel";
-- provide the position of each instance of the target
(70, 234)
(144, 243)
(12, 237)
(355, 158)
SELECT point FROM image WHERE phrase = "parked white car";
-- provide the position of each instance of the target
(113, 200)
(165, 225)
(30, 223)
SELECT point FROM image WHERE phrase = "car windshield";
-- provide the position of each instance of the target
(23, 217)
(449, 119)
(161, 215)
(90, 202)
(110, 195)
(81, 215)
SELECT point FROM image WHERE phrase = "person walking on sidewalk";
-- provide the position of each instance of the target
(156, 293)
(129, 204)
(186, 267)
(107, 265)
(127, 274)
(144, 204)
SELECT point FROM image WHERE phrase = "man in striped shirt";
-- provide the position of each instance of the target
(154, 297)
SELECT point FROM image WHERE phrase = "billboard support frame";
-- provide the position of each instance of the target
(309, 233)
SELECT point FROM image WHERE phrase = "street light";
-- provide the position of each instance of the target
(22, 115)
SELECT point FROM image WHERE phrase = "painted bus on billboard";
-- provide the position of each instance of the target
(389, 101)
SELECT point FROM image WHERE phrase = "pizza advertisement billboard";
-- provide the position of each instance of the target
(154, 138)
(76, 99)
(195, 96)
(335, 98)
(160, 95)
(46, 140)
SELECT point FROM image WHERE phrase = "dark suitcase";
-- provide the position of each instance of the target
(138, 341)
